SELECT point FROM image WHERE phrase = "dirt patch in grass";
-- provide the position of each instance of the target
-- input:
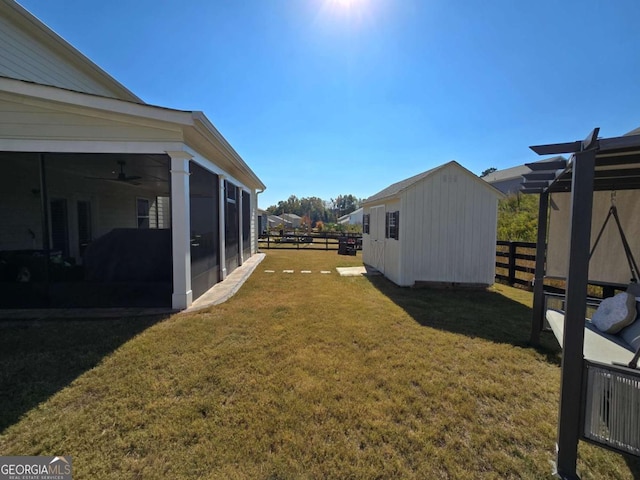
(316, 376)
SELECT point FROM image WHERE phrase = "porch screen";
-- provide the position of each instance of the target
(204, 201)
(246, 222)
(609, 262)
(232, 227)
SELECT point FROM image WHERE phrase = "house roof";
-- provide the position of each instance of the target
(19, 16)
(355, 212)
(398, 187)
(514, 172)
(277, 219)
(506, 174)
(198, 132)
(291, 215)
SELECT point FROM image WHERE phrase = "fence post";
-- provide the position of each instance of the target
(268, 238)
(326, 242)
(512, 263)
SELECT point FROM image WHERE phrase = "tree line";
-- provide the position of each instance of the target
(317, 209)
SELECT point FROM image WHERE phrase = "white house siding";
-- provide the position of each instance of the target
(24, 57)
(29, 120)
(449, 229)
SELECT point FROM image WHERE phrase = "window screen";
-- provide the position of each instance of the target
(366, 220)
(392, 223)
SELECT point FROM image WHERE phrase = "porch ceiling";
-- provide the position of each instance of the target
(153, 170)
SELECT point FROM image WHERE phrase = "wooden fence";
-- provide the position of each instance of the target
(515, 263)
(311, 241)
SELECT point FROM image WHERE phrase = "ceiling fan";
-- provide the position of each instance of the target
(121, 176)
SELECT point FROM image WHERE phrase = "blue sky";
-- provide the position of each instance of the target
(328, 97)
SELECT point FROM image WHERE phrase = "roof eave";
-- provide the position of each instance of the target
(209, 130)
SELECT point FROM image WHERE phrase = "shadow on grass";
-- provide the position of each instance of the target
(39, 359)
(474, 313)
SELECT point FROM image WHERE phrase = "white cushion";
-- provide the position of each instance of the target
(631, 335)
(615, 313)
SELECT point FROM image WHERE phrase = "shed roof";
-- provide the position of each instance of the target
(398, 187)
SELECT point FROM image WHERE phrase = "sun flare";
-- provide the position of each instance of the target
(344, 3)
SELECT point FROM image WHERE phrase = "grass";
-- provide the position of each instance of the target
(297, 376)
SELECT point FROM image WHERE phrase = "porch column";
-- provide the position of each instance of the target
(222, 228)
(569, 427)
(240, 225)
(182, 296)
(255, 223)
(537, 320)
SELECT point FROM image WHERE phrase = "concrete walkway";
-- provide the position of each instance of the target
(364, 270)
(223, 291)
(219, 293)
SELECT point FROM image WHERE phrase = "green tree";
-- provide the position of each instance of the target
(518, 218)
(317, 209)
(488, 171)
(344, 204)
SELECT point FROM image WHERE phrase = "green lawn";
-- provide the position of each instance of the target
(297, 376)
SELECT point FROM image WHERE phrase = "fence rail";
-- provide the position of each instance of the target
(307, 241)
(515, 262)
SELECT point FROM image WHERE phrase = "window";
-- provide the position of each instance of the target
(392, 225)
(231, 192)
(365, 223)
(142, 210)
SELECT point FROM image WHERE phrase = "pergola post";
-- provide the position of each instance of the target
(537, 320)
(576, 304)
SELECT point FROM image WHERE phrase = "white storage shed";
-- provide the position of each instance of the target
(438, 227)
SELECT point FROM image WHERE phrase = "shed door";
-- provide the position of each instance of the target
(377, 237)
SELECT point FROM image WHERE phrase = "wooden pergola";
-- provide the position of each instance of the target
(595, 164)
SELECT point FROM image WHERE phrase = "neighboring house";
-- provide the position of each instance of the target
(263, 221)
(105, 200)
(353, 218)
(293, 219)
(438, 227)
(509, 180)
(276, 222)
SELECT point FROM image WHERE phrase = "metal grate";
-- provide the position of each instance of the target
(612, 407)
